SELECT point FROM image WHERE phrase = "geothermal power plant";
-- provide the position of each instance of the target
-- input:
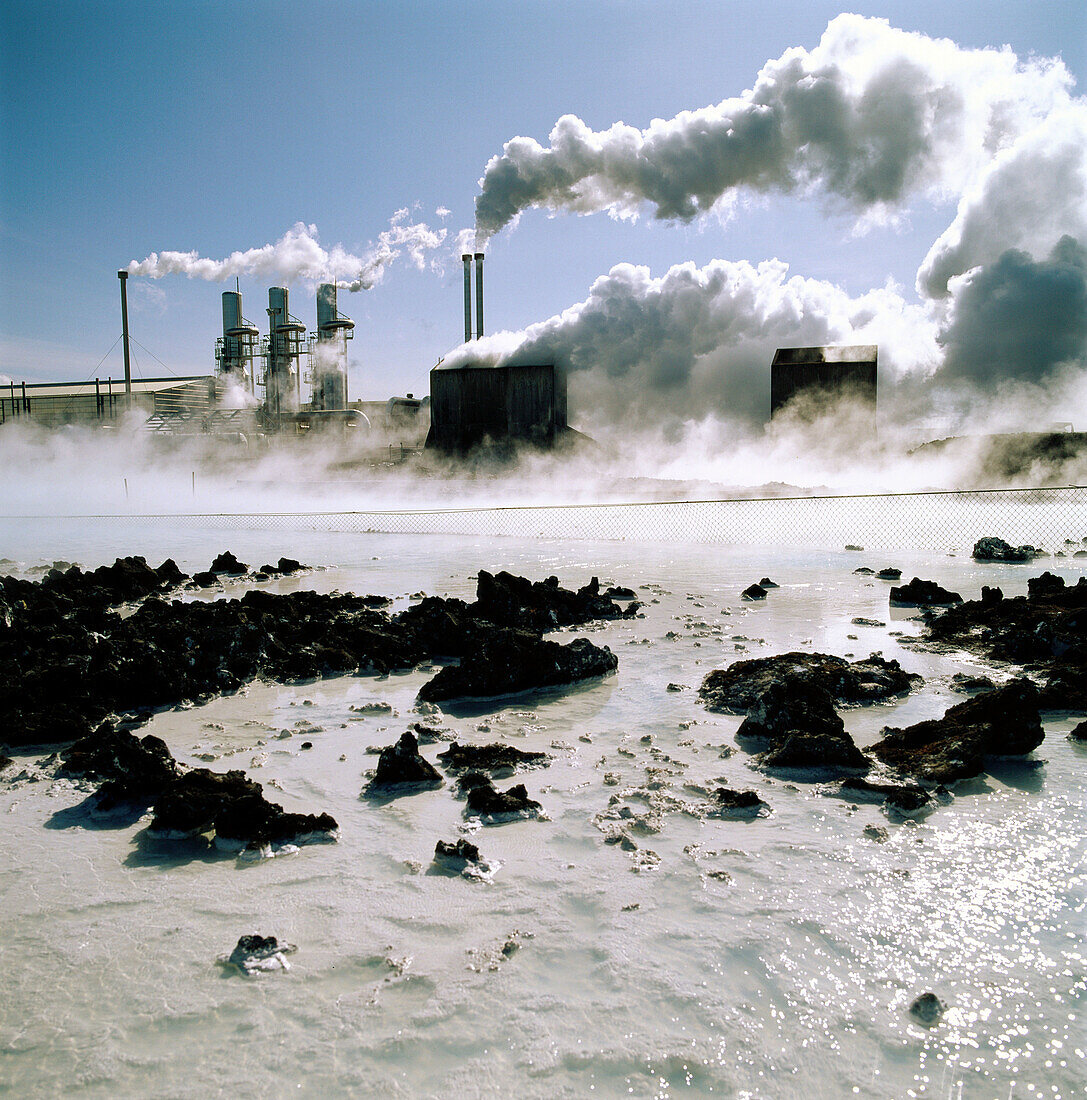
(288, 377)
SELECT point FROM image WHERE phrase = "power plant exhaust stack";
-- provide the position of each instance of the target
(236, 349)
(123, 276)
(467, 259)
(479, 295)
(330, 361)
(283, 355)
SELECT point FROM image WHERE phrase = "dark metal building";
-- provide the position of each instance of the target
(471, 404)
(827, 372)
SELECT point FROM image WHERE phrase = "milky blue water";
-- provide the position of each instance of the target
(768, 958)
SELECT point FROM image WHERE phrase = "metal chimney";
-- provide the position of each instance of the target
(479, 295)
(123, 276)
(467, 258)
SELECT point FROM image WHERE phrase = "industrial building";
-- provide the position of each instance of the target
(822, 374)
(473, 403)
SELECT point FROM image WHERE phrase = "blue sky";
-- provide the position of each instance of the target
(129, 128)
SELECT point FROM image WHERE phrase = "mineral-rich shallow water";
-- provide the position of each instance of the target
(768, 958)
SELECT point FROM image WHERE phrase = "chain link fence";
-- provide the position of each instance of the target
(1054, 519)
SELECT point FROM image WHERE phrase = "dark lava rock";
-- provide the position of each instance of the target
(256, 953)
(511, 601)
(814, 751)
(864, 571)
(469, 781)
(227, 563)
(735, 689)
(486, 801)
(1045, 631)
(455, 857)
(6, 760)
(766, 582)
(990, 596)
(401, 765)
(927, 1009)
(290, 565)
(132, 770)
(971, 685)
(859, 621)
(753, 592)
(1078, 733)
(889, 574)
(906, 798)
(1003, 722)
(620, 593)
(851, 546)
(490, 758)
(791, 705)
(204, 579)
(994, 549)
(738, 802)
(919, 593)
(507, 662)
(234, 807)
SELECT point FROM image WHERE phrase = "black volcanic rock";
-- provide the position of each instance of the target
(507, 662)
(490, 758)
(132, 769)
(738, 803)
(227, 563)
(991, 548)
(1077, 733)
(797, 704)
(919, 593)
(1004, 722)
(508, 600)
(753, 592)
(234, 807)
(927, 1009)
(814, 751)
(486, 801)
(889, 574)
(456, 857)
(401, 765)
(904, 797)
(735, 689)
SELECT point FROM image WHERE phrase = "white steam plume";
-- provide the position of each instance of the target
(873, 115)
(698, 341)
(298, 255)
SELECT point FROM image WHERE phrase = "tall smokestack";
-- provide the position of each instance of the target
(123, 276)
(479, 295)
(467, 258)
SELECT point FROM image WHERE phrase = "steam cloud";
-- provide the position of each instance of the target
(874, 118)
(872, 115)
(298, 255)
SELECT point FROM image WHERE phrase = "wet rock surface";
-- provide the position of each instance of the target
(489, 803)
(753, 592)
(401, 767)
(456, 857)
(1044, 632)
(1004, 722)
(927, 1009)
(131, 769)
(907, 798)
(736, 689)
(507, 662)
(256, 954)
(919, 593)
(68, 659)
(234, 807)
(991, 548)
(730, 803)
(492, 758)
(814, 751)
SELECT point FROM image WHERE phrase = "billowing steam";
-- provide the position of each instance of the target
(299, 256)
(872, 116)
(698, 341)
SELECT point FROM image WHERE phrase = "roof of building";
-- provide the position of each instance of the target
(107, 386)
(851, 353)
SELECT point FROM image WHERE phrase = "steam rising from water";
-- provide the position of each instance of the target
(299, 256)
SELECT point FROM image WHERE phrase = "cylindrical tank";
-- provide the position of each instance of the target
(232, 311)
(326, 305)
